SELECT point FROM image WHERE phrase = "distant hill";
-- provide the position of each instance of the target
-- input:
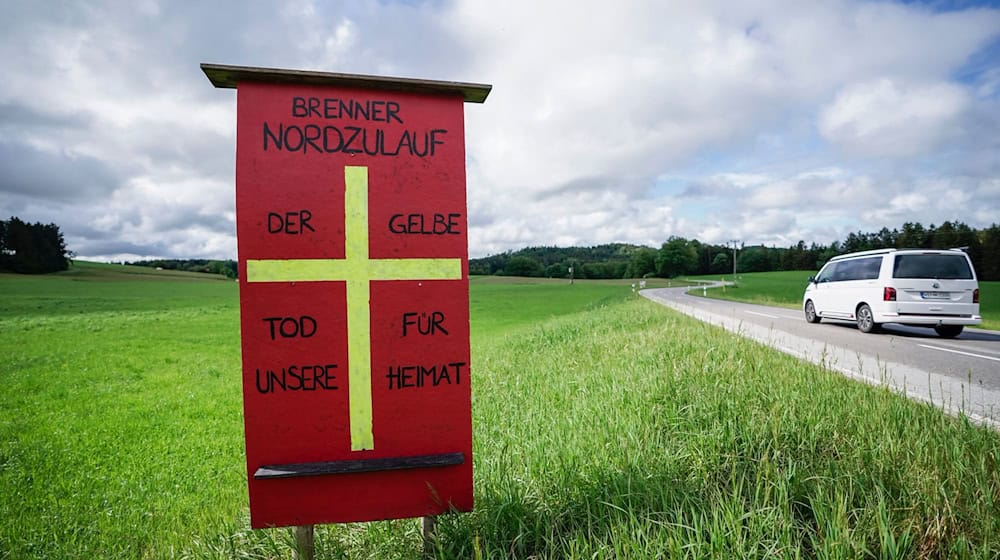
(600, 261)
(86, 270)
(678, 256)
(225, 268)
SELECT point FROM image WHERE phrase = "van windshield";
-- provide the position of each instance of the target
(941, 267)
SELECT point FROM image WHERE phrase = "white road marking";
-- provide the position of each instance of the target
(959, 344)
(792, 315)
(960, 352)
(762, 314)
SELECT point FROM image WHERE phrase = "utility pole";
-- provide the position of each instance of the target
(735, 243)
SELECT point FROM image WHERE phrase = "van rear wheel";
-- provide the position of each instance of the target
(866, 320)
(948, 331)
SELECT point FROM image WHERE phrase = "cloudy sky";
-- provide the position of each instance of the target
(767, 122)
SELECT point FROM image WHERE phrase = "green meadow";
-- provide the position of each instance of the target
(605, 427)
(785, 289)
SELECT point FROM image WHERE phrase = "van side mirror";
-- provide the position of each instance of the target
(812, 279)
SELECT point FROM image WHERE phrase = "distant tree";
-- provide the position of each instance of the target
(676, 257)
(556, 270)
(950, 235)
(913, 236)
(797, 257)
(885, 238)
(988, 268)
(231, 269)
(522, 266)
(929, 238)
(5, 253)
(597, 270)
(32, 248)
(721, 264)
(855, 242)
(606, 270)
(479, 267)
(642, 262)
(753, 259)
(825, 254)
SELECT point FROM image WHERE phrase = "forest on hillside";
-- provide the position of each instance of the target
(225, 268)
(679, 256)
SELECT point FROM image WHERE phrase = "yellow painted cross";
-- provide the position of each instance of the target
(357, 270)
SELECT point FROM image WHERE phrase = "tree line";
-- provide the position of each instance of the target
(40, 248)
(226, 268)
(678, 256)
(28, 248)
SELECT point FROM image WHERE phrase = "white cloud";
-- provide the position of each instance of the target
(771, 121)
(642, 91)
(933, 201)
(883, 118)
(780, 194)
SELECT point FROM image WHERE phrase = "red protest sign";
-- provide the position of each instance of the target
(352, 231)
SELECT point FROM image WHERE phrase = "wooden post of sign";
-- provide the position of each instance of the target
(428, 532)
(305, 542)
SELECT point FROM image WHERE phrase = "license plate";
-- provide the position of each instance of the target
(934, 295)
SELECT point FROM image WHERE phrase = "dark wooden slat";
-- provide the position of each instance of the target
(227, 76)
(358, 466)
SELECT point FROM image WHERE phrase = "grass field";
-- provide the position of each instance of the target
(605, 426)
(785, 289)
(500, 304)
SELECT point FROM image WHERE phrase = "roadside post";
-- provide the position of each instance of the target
(352, 228)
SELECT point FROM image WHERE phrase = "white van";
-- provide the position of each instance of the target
(922, 287)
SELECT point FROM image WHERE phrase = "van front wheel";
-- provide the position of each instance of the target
(811, 315)
(866, 321)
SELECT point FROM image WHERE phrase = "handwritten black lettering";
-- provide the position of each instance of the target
(435, 224)
(424, 323)
(290, 223)
(297, 378)
(291, 327)
(332, 108)
(418, 376)
(329, 139)
(348, 149)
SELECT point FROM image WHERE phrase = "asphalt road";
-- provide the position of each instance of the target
(960, 374)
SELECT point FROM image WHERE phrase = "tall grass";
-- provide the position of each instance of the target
(120, 433)
(616, 430)
(634, 432)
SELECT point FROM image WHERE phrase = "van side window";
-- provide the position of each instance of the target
(845, 271)
(857, 269)
(826, 275)
(869, 268)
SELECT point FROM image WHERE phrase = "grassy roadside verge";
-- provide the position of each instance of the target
(785, 288)
(604, 426)
(499, 305)
(633, 431)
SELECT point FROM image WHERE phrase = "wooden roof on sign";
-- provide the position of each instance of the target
(226, 76)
